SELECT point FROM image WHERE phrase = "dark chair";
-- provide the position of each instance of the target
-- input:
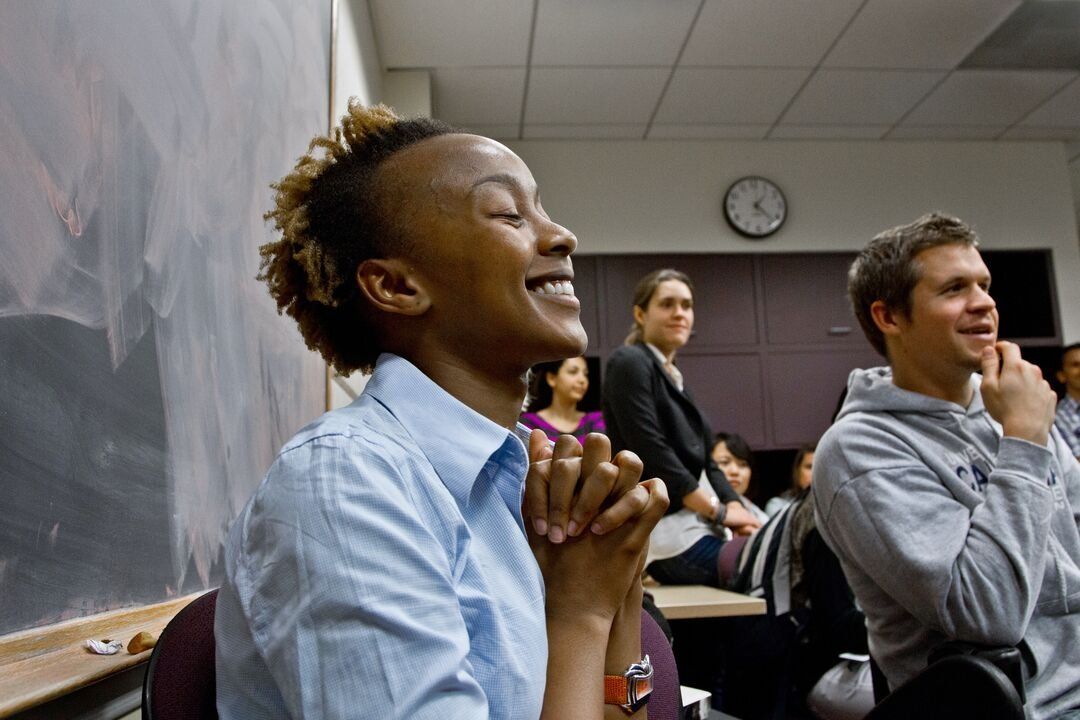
(666, 700)
(180, 680)
(955, 686)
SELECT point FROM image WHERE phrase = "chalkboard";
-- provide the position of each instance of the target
(146, 380)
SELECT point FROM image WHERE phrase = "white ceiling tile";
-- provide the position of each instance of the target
(708, 132)
(621, 132)
(611, 32)
(987, 97)
(957, 132)
(432, 33)
(932, 34)
(571, 96)
(490, 96)
(495, 132)
(792, 33)
(1033, 132)
(728, 96)
(828, 132)
(1062, 110)
(859, 97)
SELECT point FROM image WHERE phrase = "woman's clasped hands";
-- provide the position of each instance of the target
(588, 518)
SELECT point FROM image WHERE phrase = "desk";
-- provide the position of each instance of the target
(679, 602)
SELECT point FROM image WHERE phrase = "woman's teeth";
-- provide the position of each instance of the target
(562, 287)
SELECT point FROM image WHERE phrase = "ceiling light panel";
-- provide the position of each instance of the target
(860, 97)
(491, 96)
(772, 33)
(929, 34)
(729, 97)
(987, 97)
(611, 32)
(432, 33)
(577, 96)
(1061, 110)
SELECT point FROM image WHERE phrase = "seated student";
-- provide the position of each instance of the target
(1068, 410)
(772, 661)
(732, 454)
(554, 393)
(801, 477)
(383, 567)
(949, 498)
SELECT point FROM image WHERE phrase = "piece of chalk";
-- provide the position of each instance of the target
(141, 642)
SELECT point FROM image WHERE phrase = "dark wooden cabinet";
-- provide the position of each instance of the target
(727, 389)
(806, 300)
(803, 388)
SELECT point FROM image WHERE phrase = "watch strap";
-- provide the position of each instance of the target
(632, 689)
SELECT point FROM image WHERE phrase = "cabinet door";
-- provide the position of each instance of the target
(804, 388)
(806, 300)
(585, 287)
(724, 300)
(727, 389)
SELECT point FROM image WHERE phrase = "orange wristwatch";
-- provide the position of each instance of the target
(632, 689)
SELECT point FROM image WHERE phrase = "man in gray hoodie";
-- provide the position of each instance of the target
(951, 502)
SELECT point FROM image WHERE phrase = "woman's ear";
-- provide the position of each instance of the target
(639, 316)
(393, 285)
(550, 378)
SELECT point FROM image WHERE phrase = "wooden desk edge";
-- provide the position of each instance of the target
(699, 601)
(42, 664)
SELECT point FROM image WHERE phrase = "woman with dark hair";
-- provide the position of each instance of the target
(649, 411)
(801, 477)
(732, 454)
(386, 566)
(554, 393)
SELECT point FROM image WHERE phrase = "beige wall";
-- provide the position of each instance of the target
(628, 196)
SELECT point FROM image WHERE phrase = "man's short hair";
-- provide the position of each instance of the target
(1068, 349)
(886, 269)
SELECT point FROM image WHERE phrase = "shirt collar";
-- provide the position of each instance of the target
(454, 438)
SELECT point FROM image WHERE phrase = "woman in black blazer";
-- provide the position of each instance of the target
(648, 411)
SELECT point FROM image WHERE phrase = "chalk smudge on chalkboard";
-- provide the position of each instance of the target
(143, 370)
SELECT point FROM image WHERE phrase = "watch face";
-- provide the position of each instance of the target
(755, 207)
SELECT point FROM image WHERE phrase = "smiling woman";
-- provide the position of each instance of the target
(555, 390)
(385, 556)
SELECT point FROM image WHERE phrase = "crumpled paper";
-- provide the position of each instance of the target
(104, 647)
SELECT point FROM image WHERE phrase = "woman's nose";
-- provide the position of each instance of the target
(557, 240)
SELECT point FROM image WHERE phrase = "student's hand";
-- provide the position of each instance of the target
(740, 520)
(566, 487)
(590, 576)
(1016, 395)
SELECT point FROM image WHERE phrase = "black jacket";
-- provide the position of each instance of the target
(645, 412)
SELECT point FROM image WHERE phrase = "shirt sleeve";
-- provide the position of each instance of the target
(351, 596)
(971, 574)
(628, 397)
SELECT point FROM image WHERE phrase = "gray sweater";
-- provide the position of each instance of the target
(947, 530)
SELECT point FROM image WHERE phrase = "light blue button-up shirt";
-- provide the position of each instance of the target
(381, 569)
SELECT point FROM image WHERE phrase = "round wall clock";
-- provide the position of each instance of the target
(755, 207)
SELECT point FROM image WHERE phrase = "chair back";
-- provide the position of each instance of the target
(666, 700)
(180, 680)
(958, 686)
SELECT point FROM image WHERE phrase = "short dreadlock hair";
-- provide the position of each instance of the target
(887, 270)
(334, 211)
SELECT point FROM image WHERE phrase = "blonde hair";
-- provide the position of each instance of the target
(332, 215)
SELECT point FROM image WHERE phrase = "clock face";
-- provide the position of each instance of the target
(755, 207)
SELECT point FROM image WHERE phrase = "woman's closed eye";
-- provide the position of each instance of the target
(512, 217)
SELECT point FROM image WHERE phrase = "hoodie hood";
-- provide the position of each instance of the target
(873, 390)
